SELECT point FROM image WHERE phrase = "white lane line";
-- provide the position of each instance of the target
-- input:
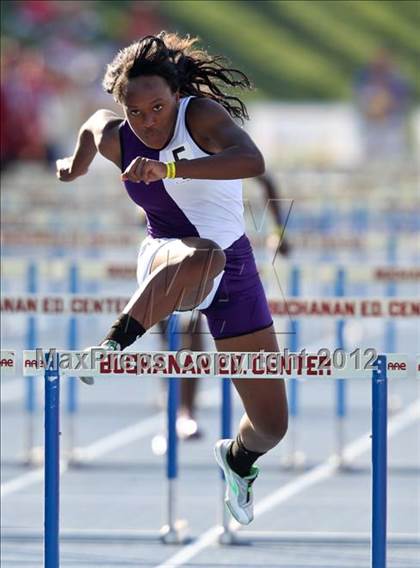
(190, 550)
(326, 469)
(91, 452)
(121, 438)
(134, 432)
(23, 481)
(103, 446)
(399, 422)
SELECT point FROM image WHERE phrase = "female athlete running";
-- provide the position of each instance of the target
(182, 158)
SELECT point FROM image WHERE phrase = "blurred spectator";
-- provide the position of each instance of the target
(20, 92)
(28, 88)
(382, 97)
(142, 20)
(52, 60)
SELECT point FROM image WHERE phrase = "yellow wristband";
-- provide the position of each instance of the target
(170, 170)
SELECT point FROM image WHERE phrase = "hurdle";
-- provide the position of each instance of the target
(385, 366)
(32, 453)
(295, 459)
(233, 534)
(173, 531)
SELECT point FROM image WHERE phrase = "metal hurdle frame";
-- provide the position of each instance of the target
(296, 459)
(33, 455)
(378, 537)
(174, 531)
(228, 535)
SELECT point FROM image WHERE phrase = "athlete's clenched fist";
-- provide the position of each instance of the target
(143, 169)
(66, 171)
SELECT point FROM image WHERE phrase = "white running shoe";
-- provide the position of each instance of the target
(238, 497)
(108, 345)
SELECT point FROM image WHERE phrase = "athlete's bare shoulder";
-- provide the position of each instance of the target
(202, 110)
(204, 105)
(202, 115)
(212, 127)
(105, 127)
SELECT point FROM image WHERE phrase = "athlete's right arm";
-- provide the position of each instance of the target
(98, 134)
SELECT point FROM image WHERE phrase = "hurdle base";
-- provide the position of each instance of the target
(176, 534)
(342, 464)
(247, 538)
(294, 461)
(75, 457)
(34, 457)
(226, 536)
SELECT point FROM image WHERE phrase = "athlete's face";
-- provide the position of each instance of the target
(150, 108)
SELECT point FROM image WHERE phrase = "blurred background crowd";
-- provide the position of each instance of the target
(359, 53)
(52, 62)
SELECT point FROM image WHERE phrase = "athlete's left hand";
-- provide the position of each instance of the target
(143, 169)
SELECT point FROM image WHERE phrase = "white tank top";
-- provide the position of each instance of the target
(214, 207)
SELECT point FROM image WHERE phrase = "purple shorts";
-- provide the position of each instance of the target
(239, 306)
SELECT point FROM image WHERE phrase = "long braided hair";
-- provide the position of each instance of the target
(187, 69)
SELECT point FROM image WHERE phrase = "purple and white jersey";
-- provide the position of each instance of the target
(178, 208)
